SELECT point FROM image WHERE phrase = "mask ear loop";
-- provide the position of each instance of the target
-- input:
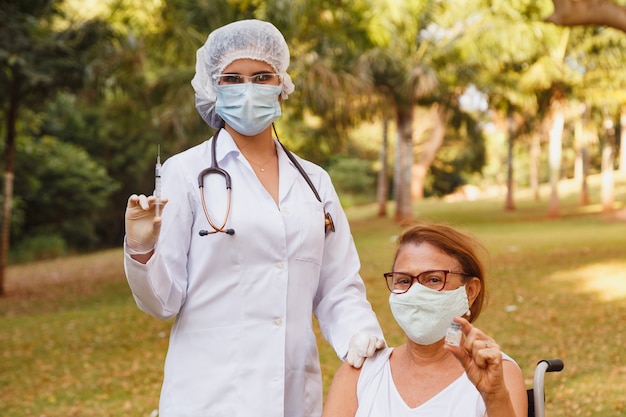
(329, 224)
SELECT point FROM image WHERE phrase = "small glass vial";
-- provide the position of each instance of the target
(453, 335)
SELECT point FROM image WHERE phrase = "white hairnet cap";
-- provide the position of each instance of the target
(251, 39)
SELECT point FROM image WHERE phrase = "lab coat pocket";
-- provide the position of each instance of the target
(311, 226)
(201, 370)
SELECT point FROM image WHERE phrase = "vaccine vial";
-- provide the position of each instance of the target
(453, 335)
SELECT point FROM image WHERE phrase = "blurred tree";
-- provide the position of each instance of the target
(354, 178)
(326, 40)
(449, 122)
(494, 61)
(550, 79)
(62, 191)
(170, 43)
(598, 54)
(461, 154)
(396, 69)
(38, 57)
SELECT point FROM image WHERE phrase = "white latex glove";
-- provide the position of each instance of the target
(142, 225)
(362, 346)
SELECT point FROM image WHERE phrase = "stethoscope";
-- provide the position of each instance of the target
(329, 225)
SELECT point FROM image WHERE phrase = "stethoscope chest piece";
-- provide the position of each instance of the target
(329, 224)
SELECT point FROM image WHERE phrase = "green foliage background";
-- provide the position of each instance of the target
(110, 80)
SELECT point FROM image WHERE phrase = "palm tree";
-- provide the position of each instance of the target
(498, 63)
(325, 41)
(397, 69)
(599, 55)
(397, 82)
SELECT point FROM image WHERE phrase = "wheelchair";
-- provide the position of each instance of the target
(536, 394)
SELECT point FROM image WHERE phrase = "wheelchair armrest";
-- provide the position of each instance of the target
(543, 366)
(554, 365)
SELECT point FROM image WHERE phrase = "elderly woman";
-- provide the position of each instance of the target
(252, 242)
(437, 277)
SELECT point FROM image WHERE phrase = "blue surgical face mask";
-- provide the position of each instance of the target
(248, 108)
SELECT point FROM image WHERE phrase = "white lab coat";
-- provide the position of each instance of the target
(242, 343)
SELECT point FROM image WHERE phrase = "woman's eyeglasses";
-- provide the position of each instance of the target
(262, 78)
(400, 282)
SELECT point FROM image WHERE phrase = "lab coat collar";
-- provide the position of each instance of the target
(225, 145)
(288, 173)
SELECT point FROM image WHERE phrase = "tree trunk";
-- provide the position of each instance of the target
(500, 123)
(509, 204)
(581, 167)
(622, 142)
(578, 149)
(588, 12)
(439, 115)
(607, 187)
(9, 172)
(557, 120)
(382, 188)
(584, 183)
(608, 180)
(404, 161)
(535, 154)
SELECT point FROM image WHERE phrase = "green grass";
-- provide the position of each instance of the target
(73, 342)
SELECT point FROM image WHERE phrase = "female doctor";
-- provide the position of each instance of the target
(252, 240)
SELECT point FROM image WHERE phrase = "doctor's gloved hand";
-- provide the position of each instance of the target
(363, 346)
(142, 225)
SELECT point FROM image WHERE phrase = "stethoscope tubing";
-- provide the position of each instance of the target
(329, 225)
(215, 169)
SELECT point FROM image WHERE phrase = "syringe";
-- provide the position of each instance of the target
(157, 182)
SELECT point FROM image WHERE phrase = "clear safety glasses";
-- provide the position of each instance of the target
(268, 78)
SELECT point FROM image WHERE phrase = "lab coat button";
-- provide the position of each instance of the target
(280, 265)
(285, 210)
(278, 321)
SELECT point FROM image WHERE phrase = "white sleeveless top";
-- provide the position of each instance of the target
(378, 397)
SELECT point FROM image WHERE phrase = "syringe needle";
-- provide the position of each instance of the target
(157, 182)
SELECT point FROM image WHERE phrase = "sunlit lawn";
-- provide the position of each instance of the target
(72, 342)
